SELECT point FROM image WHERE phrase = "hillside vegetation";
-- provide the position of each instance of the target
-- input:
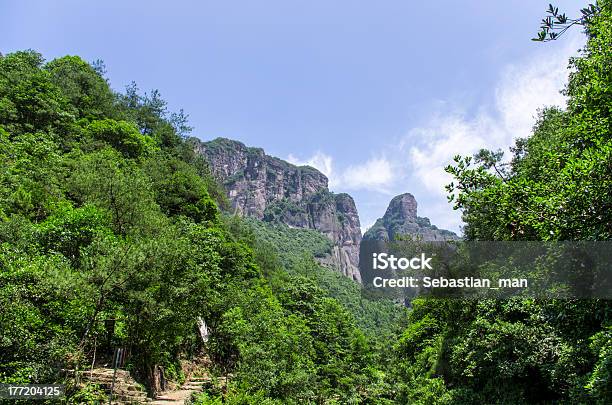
(107, 214)
(113, 234)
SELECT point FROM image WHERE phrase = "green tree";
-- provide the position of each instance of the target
(83, 86)
(121, 135)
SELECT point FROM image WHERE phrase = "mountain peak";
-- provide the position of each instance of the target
(403, 206)
(401, 219)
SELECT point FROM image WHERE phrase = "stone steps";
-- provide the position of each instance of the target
(200, 379)
(125, 391)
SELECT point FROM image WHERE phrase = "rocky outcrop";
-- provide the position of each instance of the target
(401, 219)
(273, 190)
(255, 180)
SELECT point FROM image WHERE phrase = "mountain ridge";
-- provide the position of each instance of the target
(273, 190)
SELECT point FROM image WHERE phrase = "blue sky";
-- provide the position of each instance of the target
(379, 94)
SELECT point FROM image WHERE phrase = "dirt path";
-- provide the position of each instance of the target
(174, 397)
(194, 384)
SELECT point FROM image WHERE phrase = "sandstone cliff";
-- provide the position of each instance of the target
(273, 190)
(401, 219)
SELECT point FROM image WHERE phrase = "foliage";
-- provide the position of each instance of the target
(555, 187)
(111, 236)
(121, 135)
(108, 216)
(555, 25)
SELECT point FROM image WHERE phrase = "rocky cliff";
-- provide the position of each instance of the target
(273, 190)
(401, 219)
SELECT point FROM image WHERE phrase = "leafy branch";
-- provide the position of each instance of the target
(556, 24)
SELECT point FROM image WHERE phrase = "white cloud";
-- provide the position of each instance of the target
(374, 174)
(526, 88)
(445, 138)
(320, 161)
(520, 92)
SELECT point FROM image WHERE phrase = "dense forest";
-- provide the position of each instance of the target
(108, 214)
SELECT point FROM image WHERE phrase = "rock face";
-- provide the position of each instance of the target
(401, 219)
(273, 190)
